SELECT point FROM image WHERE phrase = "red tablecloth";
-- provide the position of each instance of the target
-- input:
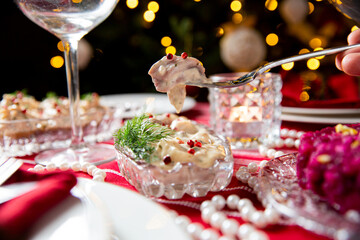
(201, 114)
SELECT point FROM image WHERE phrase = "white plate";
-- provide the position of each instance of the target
(133, 216)
(80, 216)
(136, 101)
(320, 111)
(322, 119)
(106, 211)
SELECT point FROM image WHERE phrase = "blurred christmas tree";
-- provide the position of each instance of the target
(230, 36)
(226, 35)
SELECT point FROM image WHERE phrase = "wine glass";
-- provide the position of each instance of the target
(70, 20)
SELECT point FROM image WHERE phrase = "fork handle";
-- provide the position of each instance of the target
(295, 58)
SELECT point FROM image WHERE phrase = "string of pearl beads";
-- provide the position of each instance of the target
(91, 169)
(291, 139)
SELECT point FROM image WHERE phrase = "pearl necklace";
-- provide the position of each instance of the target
(91, 169)
(291, 139)
(230, 228)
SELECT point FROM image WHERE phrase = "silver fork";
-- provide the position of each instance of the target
(8, 167)
(252, 75)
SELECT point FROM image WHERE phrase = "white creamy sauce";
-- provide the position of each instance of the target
(171, 76)
(208, 150)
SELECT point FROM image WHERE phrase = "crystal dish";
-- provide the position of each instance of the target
(154, 181)
(279, 187)
(29, 136)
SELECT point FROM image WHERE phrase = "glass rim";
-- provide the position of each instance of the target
(219, 77)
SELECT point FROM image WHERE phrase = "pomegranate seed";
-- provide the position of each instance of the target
(191, 151)
(167, 160)
(184, 55)
(169, 56)
(23, 111)
(198, 144)
(19, 95)
(168, 115)
(58, 110)
(151, 116)
(190, 143)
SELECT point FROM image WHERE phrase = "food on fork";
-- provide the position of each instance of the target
(171, 74)
(328, 163)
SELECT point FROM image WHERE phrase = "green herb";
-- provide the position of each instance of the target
(23, 91)
(140, 135)
(86, 96)
(51, 95)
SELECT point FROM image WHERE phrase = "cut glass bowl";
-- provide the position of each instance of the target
(279, 187)
(29, 136)
(154, 181)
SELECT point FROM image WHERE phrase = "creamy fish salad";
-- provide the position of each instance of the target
(171, 73)
(177, 140)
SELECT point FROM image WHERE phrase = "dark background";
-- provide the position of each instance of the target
(124, 46)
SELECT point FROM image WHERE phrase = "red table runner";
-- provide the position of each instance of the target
(200, 113)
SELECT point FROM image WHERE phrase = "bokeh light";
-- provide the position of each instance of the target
(149, 16)
(132, 3)
(271, 5)
(304, 96)
(170, 49)
(313, 64)
(304, 50)
(235, 5)
(60, 46)
(311, 7)
(272, 39)
(287, 66)
(237, 18)
(153, 6)
(219, 32)
(315, 43)
(57, 61)
(319, 49)
(354, 28)
(166, 41)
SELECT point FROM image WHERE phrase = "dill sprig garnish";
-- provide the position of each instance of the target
(140, 134)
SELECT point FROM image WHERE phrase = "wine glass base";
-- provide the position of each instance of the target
(94, 154)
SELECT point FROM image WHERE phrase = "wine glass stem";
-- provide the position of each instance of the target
(72, 75)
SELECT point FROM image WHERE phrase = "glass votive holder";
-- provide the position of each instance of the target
(248, 115)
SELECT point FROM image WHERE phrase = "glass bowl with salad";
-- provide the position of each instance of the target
(28, 126)
(167, 155)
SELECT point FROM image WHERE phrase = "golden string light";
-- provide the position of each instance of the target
(319, 49)
(272, 39)
(132, 3)
(271, 5)
(237, 18)
(313, 63)
(149, 16)
(311, 7)
(235, 5)
(287, 66)
(166, 41)
(170, 49)
(57, 61)
(315, 43)
(153, 6)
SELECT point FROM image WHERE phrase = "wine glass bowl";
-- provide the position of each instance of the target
(67, 18)
(70, 20)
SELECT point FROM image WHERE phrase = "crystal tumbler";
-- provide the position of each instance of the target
(248, 115)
